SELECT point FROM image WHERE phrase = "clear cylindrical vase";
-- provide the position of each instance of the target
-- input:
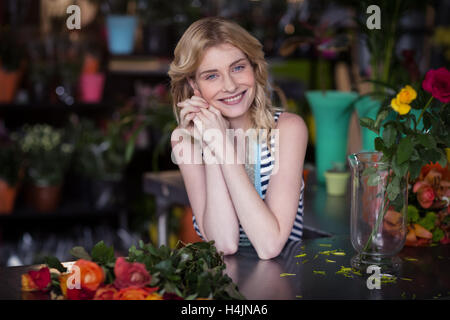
(378, 222)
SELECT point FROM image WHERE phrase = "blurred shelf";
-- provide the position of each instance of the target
(15, 115)
(13, 108)
(66, 211)
(139, 65)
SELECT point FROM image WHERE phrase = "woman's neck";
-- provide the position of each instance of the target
(243, 122)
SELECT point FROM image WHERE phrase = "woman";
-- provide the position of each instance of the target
(219, 83)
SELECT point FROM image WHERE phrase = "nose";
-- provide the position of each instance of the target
(229, 84)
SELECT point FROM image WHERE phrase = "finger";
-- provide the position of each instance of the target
(214, 110)
(189, 103)
(202, 117)
(207, 113)
(200, 99)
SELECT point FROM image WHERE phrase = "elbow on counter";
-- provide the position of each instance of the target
(269, 252)
(227, 248)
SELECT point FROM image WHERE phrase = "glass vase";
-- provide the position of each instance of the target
(378, 223)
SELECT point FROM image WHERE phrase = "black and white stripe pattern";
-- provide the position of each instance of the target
(267, 164)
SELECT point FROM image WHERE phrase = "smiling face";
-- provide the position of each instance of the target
(226, 80)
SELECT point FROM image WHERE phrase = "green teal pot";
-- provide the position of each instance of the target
(331, 111)
(367, 107)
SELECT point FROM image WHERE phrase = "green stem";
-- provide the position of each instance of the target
(380, 218)
(425, 108)
(390, 43)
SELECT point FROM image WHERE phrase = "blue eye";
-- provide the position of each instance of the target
(211, 76)
(238, 68)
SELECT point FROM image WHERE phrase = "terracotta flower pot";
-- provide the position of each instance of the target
(187, 232)
(44, 198)
(9, 81)
(7, 197)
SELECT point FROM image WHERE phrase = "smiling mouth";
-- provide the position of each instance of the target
(234, 99)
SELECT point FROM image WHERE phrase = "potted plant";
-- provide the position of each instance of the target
(10, 66)
(47, 155)
(92, 80)
(10, 174)
(121, 25)
(102, 155)
(337, 179)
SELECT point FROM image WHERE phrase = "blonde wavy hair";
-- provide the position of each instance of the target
(209, 32)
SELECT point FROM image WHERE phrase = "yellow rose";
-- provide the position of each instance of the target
(406, 95)
(401, 108)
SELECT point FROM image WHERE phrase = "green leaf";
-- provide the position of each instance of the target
(404, 150)
(393, 188)
(379, 144)
(53, 262)
(381, 116)
(80, 253)
(102, 254)
(368, 123)
(428, 222)
(438, 235)
(427, 140)
(413, 214)
(374, 180)
(389, 135)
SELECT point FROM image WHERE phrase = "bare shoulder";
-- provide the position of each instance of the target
(293, 124)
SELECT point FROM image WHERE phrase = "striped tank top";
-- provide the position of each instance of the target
(266, 167)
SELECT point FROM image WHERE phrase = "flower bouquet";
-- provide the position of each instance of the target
(192, 271)
(428, 210)
(412, 130)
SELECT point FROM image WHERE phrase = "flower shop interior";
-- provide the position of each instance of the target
(86, 112)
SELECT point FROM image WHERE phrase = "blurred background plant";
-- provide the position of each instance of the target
(46, 152)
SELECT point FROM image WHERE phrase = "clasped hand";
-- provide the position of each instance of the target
(198, 117)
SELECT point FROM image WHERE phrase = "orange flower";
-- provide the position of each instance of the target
(63, 283)
(28, 283)
(105, 293)
(131, 293)
(91, 274)
(154, 296)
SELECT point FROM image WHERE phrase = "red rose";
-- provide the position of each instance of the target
(171, 296)
(425, 194)
(80, 294)
(41, 277)
(437, 82)
(130, 274)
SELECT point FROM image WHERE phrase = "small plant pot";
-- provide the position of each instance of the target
(44, 199)
(91, 87)
(336, 182)
(121, 31)
(7, 197)
(9, 82)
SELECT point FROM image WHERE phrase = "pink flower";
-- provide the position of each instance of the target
(130, 274)
(437, 82)
(425, 194)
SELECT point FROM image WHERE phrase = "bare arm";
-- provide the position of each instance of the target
(268, 223)
(209, 198)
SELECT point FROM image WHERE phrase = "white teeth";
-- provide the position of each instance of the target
(233, 99)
